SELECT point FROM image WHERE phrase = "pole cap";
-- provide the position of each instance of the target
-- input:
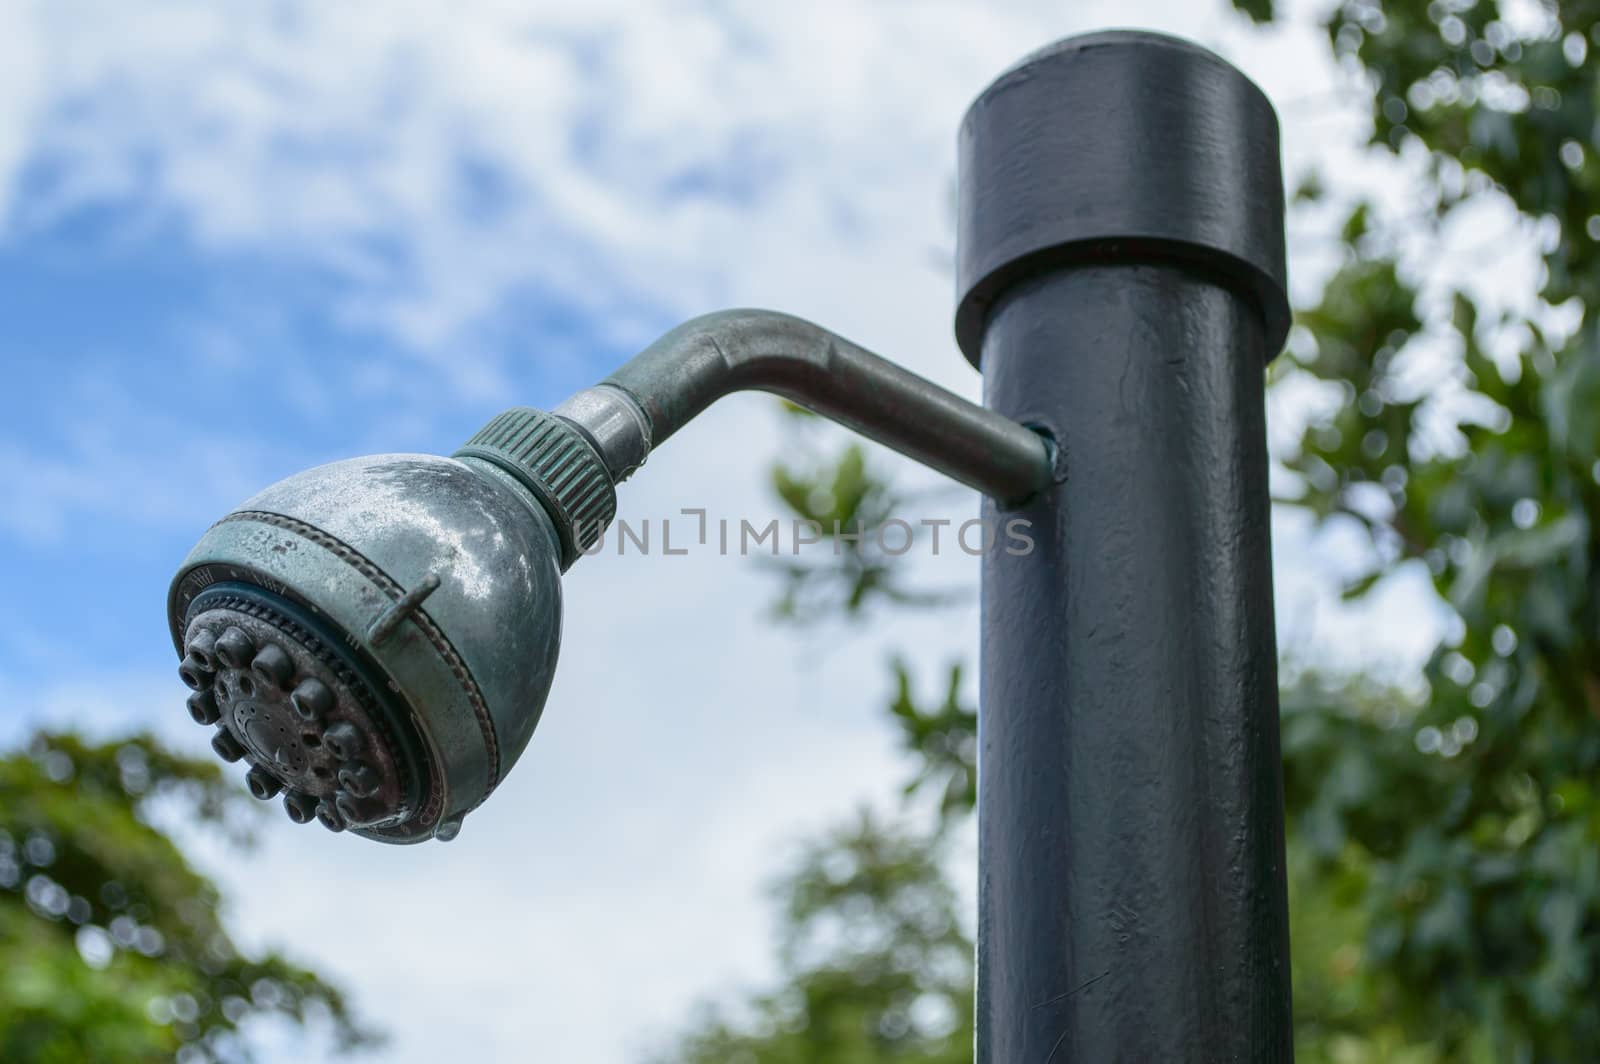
(1123, 146)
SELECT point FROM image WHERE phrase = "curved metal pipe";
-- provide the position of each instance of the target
(658, 391)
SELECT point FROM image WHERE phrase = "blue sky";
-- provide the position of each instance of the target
(152, 385)
(235, 243)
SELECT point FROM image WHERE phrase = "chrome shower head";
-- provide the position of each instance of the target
(376, 637)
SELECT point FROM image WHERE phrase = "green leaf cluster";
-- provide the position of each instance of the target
(112, 945)
(876, 966)
(1444, 837)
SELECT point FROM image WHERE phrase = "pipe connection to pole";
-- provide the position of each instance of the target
(656, 393)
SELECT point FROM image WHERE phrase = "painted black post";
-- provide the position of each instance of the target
(1122, 284)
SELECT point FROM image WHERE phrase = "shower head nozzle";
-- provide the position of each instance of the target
(376, 637)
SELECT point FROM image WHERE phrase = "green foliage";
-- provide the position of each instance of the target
(1256, 10)
(844, 504)
(875, 965)
(112, 943)
(1466, 823)
(1444, 840)
(944, 740)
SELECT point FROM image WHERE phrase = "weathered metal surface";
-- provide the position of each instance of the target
(1122, 286)
(717, 354)
(556, 463)
(435, 580)
(613, 422)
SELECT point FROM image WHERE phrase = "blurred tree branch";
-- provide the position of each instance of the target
(114, 945)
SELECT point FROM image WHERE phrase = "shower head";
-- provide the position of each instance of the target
(376, 637)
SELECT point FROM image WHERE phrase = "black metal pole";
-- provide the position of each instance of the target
(1121, 281)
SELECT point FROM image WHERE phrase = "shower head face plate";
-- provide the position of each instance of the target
(302, 710)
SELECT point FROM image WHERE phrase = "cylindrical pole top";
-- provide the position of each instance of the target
(1121, 146)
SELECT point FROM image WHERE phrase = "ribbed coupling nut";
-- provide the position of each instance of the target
(551, 458)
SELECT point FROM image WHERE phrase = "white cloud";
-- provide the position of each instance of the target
(327, 131)
(20, 87)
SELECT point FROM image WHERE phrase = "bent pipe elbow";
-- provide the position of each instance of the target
(711, 356)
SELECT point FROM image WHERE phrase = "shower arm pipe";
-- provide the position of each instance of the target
(663, 387)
